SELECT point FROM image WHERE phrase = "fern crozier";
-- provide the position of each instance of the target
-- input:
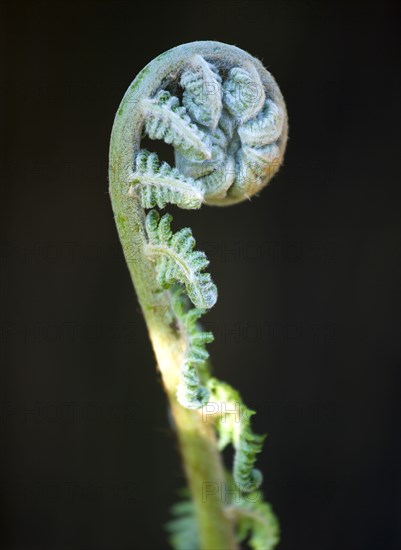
(229, 134)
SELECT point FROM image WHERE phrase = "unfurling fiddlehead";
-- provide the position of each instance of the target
(177, 262)
(160, 184)
(229, 134)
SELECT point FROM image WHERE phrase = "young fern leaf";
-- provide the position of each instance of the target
(177, 262)
(167, 120)
(228, 124)
(255, 167)
(217, 183)
(190, 393)
(234, 427)
(202, 95)
(266, 128)
(161, 184)
(261, 159)
(216, 175)
(243, 94)
(228, 141)
(183, 527)
(247, 445)
(219, 141)
(256, 520)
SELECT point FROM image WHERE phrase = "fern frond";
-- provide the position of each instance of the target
(261, 159)
(217, 183)
(228, 140)
(255, 519)
(160, 184)
(266, 128)
(228, 124)
(202, 92)
(219, 141)
(183, 527)
(177, 262)
(190, 393)
(234, 426)
(194, 169)
(167, 120)
(243, 94)
(247, 446)
(199, 168)
(216, 175)
(255, 166)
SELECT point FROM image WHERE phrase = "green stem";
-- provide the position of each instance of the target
(201, 459)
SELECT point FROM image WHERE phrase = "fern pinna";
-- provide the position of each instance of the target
(229, 133)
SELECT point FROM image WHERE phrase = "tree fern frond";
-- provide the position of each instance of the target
(234, 426)
(255, 167)
(167, 120)
(255, 519)
(228, 140)
(190, 393)
(261, 159)
(266, 128)
(243, 94)
(200, 168)
(228, 124)
(202, 92)
(216, 175)
(194, 169)
(217, 183)
(247, 446)
(183, 527)
(177, 262)
(160, 184)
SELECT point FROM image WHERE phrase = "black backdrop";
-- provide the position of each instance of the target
(307, 319)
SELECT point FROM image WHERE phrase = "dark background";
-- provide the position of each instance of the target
(307, 319)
